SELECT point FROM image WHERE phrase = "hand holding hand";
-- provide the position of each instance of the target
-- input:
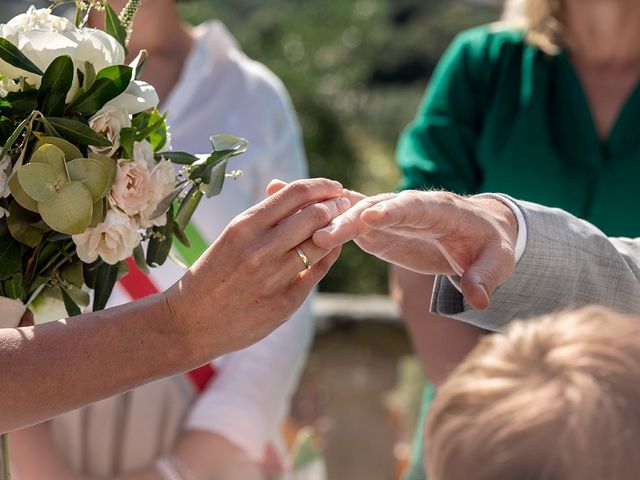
(433, 233)
(252, 278)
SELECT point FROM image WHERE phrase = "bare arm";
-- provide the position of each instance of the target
(440, 342)
(244, 286)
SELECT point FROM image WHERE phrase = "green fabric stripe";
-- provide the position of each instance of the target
(199, 245)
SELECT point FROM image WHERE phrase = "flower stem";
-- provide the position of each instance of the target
(5, 468)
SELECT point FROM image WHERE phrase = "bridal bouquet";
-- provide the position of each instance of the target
(87, 177)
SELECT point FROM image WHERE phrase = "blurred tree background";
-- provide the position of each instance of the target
(356, 71)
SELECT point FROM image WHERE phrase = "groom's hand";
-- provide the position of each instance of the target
(433, 233)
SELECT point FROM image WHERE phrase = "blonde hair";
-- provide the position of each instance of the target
(541, 20)
(557, 398)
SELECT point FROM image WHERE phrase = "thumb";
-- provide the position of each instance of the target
(492, 267)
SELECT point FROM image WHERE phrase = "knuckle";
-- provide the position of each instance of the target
(301, 189)
(321, 214)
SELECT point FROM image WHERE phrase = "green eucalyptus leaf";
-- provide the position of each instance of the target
(51, 155)
(69, 304)
(10, 258)
(99, 212)
(69, 210)
(14, 286)
(77, 132)
(105, 279)
(13, 56)
(108, 163)
(25, 226)
(229, 144)
(181, 158)
(20, 196)
(92, 174)
(79, 296)
(110, 82)
(40, 181)
(73, 274)
(56, 83)
(71, 152)
(216, 182)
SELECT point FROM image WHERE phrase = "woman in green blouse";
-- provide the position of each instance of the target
(546, 108)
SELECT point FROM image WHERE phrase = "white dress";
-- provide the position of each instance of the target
(220, 90)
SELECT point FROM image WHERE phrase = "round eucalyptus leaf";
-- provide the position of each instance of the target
(79, 296)
(24, 225)
(39, 181)
(20, 195)
(108, 163)
(99, 212)
(93, 175)
(50, 155)
(69, 210)
(71, 152)
(229, 143)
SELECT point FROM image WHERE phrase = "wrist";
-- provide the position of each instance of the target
(504, 214)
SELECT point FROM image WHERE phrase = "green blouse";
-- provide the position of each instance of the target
(501, 116)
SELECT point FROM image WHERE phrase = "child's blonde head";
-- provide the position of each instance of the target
(557, 398)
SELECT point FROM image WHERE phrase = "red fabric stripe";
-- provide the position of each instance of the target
(138, 285)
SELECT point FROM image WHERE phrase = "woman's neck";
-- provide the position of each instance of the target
(604, 33)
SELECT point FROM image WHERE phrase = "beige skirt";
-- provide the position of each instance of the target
(124, 433)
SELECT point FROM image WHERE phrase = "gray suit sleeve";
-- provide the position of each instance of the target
(567, 263)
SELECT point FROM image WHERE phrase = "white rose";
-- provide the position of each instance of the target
(108, 121)
(138, 97)
(143, 153)
(43, 37)
(113, 240)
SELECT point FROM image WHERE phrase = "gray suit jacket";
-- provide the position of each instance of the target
(567, 263)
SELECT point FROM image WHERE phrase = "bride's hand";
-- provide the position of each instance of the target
(252, 278)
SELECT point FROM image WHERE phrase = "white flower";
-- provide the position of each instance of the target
(113, 240)
(138, 97)
(141, 184)
(43, 37)
(11, 312)
(108, 122)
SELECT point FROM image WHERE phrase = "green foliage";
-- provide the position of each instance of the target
(13, 56)
(109, 83)
(56, 83)
(356, 71)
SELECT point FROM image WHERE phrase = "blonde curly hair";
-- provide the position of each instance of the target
(552, 398)
(540, 18)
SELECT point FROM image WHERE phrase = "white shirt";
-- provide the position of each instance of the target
(221, 90)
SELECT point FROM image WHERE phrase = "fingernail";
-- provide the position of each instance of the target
(344, 203)
(337, 184)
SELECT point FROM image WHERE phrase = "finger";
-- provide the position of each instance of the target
(275, 186)
(299, 227)
(427, 210)
(294, 263)
(308, 279)
(347, 226)
(289, 200)
(492, 267)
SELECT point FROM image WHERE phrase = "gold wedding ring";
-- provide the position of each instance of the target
(304, 258)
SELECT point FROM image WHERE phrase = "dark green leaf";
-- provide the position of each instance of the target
(90, 273)
(106, 277)
(158, 248)
(138, 256)
(181, 158)
(25, 226)
(188, 207)
(14, 136)
(52, 132)
(110, 82)
(22, 103)
(77, 132)
(13, 56)
(113, 26)
(69, 304)
(165, 203)
(56, 83)
(10, 258)
(155, 122)
(89, 76)
(14, 286)
(127, 139)
(216, 182)
(181, 236)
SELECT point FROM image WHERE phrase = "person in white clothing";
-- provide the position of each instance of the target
(167, 429)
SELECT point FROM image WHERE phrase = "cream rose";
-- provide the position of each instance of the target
(113, 240)
(108, 122)
(43, 37)
(141, 184)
